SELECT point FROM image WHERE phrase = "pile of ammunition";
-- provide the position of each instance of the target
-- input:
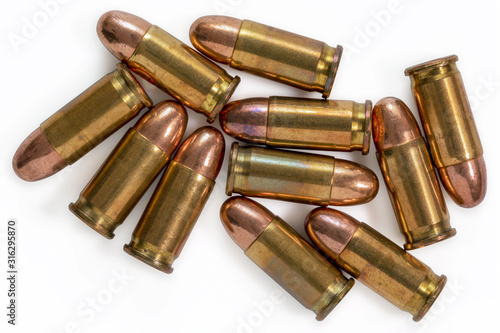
(308, 271)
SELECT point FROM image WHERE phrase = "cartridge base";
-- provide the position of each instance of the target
(93, 217)
(233, 155)
(137, 93)
(430, 240)
(431, 299)
(429, 65)
(150, 254)
(333, 71)
(223, 99)
(368, 127)
(336, 298)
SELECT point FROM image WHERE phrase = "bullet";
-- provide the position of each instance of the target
(409, 176)
(166, 62)
(375, 261)
(450, 129)
(299, 177)
(284, 255)
(269, 52)
(131, 168)
(178, 200)
(300, 123)
(79, 126)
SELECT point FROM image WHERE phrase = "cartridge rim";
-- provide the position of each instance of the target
(333, 71)
(232, 168)
(440, 62)
(335, 300)
(224, 99)
(85, 211)
(431, 240)
(136, 87)
(368, 127)
(431, 299)
(134, 249)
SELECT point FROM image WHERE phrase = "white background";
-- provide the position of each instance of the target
(63, 264)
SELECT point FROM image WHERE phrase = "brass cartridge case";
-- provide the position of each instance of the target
(450, 129)
(417, 200)
(183, 73)
(445, 111)
(166, 62)
(290, 261)
(409, 176)
(300, 123)
(286, 57)
(298, 177)
(95, 114)
(269, 52)
(375, 261)
(287, 257)
(170, 217)
(178, 201)
(130, 169)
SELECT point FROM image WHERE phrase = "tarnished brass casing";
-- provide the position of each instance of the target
(391, 272)
(170, 216)
(131, 167)
(119, 184)
(384, 267)
(409, 175)
(286, 57)
(319, 124)
(445, 111)
(415, 194)
(450, 129)
(399, 277)
(95, 114)
(299, 177)
(178, 200)
(294, 264)
(183, 73)
(279, 174)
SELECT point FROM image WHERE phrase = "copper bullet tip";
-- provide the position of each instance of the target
(246, 119)
(121, 32)
(465, 182)
(244, 220)
(164, 125)
(393, 124)
(330, 230)
(215, 36)
(353, 184)
(203, 152)
(36, 159)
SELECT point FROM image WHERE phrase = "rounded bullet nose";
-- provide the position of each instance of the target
(164, 125)
(465, 182)
(393, 124)
(215, 36)
(353, 184)
(121, 32)
(203, 152)
(246, 119)
(330, 230)
(36, 159)
(244, 220)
